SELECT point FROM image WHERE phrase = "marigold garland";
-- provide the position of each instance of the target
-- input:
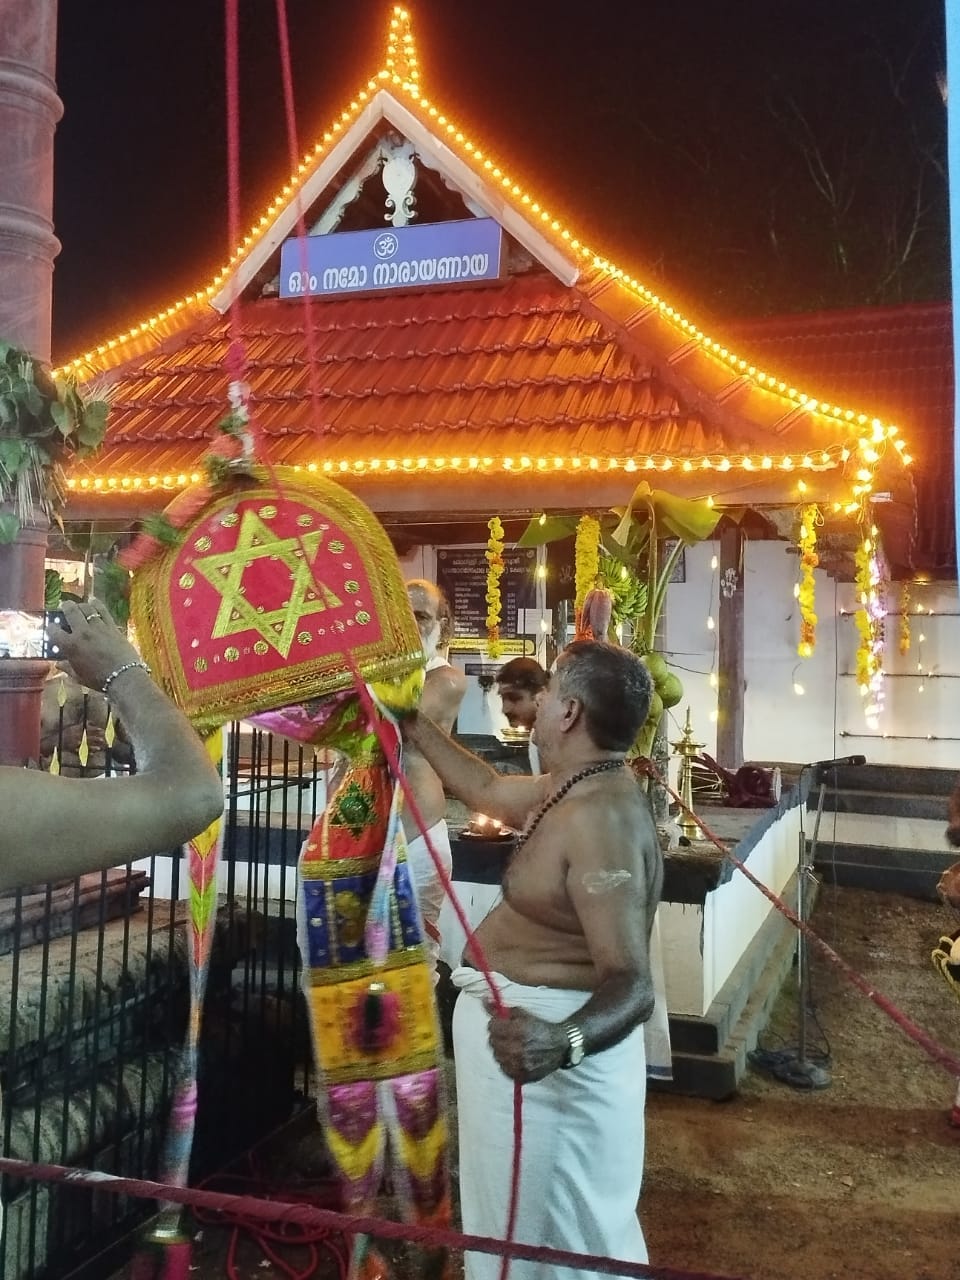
(904, 618)
(586, 561)
(869, 618)
(494, 556)
(806, 588)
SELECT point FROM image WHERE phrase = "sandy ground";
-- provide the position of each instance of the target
(861, 1179)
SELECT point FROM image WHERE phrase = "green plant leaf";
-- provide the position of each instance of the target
(553, 529)
(159, 527)
(691, 520)
(60, 417)
(33, 400)
(12, 453)
(95, 416)
(89, 435)
(9, 527)
(52, 589)
(111, 584)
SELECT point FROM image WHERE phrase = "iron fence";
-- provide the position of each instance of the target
(94, 995)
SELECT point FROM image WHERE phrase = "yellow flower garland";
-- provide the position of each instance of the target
(869, 623)
(904, 618)
(586, 560)
(806, 589)
(494, 556)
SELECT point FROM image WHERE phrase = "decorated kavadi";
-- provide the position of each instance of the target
(263, 600)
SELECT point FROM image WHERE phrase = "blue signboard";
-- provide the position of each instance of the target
(397, 258)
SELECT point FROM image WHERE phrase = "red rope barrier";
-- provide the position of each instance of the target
(939, 1053)
(281, 1211)
(274, 1240)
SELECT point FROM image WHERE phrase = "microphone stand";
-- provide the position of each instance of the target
(794, 1068)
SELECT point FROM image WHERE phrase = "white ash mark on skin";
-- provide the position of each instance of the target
(605, 881)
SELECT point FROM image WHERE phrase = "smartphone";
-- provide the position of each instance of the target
(58, 618)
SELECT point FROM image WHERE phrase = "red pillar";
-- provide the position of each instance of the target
(29, 111)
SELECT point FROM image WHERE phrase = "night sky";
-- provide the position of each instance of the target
(744, 156)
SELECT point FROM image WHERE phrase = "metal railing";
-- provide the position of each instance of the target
(94, 995)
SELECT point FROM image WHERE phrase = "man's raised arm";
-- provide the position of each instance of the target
(55, 827)
(511, 799)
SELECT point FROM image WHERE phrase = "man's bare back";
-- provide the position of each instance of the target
(442, 694)
(600, 838)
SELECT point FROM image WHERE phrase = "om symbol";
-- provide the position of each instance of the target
(386, 245)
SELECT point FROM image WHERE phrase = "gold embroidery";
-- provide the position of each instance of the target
(224, 571)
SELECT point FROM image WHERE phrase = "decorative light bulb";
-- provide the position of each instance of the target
(798, 689)
(710, 623)
(714, 562)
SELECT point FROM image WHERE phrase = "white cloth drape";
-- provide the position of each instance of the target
(429, 887)
(582, 1145)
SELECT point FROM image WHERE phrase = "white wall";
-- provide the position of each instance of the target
(914, 728)
(703, 945)
(827, 720)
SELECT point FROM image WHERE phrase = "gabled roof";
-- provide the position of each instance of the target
(898, 359)
(574, 366)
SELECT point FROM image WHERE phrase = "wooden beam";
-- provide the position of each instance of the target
(730, 648)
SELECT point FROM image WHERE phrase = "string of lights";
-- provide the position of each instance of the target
(400, 74)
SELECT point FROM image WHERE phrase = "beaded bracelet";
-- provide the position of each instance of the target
(127, 666)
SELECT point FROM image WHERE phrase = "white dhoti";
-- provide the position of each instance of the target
(581, 1162)
(429, 887)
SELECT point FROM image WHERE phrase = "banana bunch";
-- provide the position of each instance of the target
(629, 593)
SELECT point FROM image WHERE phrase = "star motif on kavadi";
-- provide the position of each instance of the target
(224, 571)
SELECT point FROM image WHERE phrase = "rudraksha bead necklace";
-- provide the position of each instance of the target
(605, 766)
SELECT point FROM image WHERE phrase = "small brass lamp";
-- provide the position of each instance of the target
(686, 749)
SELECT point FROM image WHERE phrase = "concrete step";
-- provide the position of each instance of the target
(898, 804)
(891, 778)
(882, 829)
(890, 869)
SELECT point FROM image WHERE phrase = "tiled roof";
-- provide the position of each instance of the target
(898, 360)
(509, 370)
(528, 370)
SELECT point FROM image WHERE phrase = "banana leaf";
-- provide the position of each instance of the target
(544, 529)
(688, 519)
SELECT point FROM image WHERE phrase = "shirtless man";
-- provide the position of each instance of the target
(569, 947)
(442, 694)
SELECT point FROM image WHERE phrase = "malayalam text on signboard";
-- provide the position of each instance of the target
(397, 258)
(462, 575)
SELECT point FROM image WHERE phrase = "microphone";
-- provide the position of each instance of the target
(839, 762)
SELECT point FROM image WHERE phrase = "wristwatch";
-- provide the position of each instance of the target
(575, 1052)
